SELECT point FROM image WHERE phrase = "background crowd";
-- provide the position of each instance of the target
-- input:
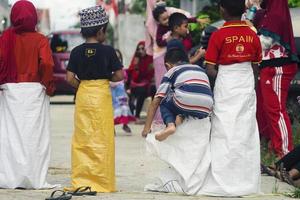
(249, 87)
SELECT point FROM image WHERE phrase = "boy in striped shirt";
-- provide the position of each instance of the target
(184, 92)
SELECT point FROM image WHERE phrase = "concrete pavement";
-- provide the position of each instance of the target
(134, 169)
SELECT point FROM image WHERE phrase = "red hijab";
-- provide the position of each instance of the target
(145, 71)
(276, 22)
(24, 19)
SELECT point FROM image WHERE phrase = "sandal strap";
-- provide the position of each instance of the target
(55, 191)
(82, 189)
(286, 177)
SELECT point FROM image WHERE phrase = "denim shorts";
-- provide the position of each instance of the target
(169, 111)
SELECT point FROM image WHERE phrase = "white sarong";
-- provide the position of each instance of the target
(235, 148)
(186, 153)
(24, 136)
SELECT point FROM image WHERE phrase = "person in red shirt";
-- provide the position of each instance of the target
(235, 149)
(26, 81)
(140, 79)
(278, 68)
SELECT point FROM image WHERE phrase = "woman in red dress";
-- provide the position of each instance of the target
(141, 75)
(26, 81)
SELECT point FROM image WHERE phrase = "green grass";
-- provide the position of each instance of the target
(268, 157)
(294, 193)
(296, 133)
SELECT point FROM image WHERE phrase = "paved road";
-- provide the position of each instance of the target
(134, 168)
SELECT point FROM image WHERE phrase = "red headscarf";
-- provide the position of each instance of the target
(145, 71)
(24, 19)
(276, 22)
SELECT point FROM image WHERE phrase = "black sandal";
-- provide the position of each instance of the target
(63, 196)
(83, 191)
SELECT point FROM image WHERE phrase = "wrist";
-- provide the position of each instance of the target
(146, 130)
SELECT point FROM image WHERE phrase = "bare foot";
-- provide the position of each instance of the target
(165, 133)
(179, 120)
(294, 173)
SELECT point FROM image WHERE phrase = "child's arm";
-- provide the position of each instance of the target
(257, 60)
(72, 80)
(161, 41)
(46, 66)
(117, 76)
(150, 115)
(211, 70)
(255, 68)
(116, 67)
(212, 55)
(202, 21)
(200, 53)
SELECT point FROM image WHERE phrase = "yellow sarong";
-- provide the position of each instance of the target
(93, 147)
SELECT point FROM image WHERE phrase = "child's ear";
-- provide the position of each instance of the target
(99, 33)
(102, 30)
(168, 66)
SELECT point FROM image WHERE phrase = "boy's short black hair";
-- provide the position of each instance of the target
(176, 55)
(92, 31)
(235, 8)
(158, 11)
(176, 19)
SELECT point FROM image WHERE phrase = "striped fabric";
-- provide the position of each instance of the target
(187, 87)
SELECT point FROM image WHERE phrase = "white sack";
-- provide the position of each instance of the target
(235, 147)
(186, 151)
(24, 136)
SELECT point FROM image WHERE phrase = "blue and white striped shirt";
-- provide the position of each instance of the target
(189, 89)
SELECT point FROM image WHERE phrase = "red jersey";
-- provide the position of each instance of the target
(235, 42)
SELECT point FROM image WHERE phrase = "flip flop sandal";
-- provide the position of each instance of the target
(83, 191)
(62, 196)
(278, 173)
(126, 129)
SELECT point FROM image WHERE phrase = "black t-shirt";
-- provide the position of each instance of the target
(92, 61)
